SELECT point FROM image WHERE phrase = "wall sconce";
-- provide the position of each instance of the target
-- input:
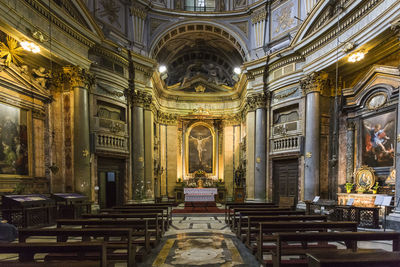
(357, 56)
(29, 46)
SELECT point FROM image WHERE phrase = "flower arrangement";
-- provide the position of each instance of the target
(375, 188)
(348, 187)
(360, 190)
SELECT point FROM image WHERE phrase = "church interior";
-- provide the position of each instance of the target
(200, 133)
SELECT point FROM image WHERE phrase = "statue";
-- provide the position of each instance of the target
(239, 176)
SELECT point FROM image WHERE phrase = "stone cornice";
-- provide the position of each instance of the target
(59, 23)
(344, 24)
(101, 51)
(315, 82)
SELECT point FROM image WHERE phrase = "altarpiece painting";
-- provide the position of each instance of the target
(378, 137)
(200, 144)
(13, 141)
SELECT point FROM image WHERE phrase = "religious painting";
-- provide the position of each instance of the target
(283, 18)
(200, 149)
(13, 141)
(365, 178)
(378, 140)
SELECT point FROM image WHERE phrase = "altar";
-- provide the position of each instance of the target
(200, 194)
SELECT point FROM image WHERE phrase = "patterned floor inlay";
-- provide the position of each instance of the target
(212, 250)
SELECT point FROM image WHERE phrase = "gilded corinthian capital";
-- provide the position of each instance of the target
(141, 98)
(77, 77)
(315, 82)
(254, 102)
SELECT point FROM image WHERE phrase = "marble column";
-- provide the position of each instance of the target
(138, 153)
(79, 85)
(259, 179)
(350, 151)
(311, 173)
(397, 185)
(312, 86)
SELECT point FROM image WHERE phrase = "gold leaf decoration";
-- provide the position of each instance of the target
(11, 51)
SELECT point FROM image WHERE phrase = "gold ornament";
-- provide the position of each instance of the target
(11, 50)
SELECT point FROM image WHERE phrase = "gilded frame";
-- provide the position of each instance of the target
(365, 177)
(214, 138)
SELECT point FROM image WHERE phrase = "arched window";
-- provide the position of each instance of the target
(200, 5)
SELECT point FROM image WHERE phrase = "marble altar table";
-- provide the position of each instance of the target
(200, 194)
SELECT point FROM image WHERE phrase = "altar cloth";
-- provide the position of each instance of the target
(199, 194)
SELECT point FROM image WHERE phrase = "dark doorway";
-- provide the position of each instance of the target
(285, 178)
(108, 188)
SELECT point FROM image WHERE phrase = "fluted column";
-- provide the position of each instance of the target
(312, 86)
(350, 151)
(79, 82)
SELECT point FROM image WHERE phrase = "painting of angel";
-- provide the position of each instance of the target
(378, 140)
(200, 149)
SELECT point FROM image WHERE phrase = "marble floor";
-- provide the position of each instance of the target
(200, 240)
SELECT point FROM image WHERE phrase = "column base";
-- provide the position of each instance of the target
(393, 221)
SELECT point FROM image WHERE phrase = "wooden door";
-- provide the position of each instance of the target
(285, 179)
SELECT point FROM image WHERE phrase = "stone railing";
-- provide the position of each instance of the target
(286, 144)
(111, 142)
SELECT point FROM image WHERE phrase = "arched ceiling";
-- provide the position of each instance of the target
(196, 54)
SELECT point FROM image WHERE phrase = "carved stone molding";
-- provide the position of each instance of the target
(254, 102)
(315, 82)
(396, 27)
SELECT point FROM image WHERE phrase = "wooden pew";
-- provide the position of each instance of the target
(62, 235)
(159, 223)
(349, 238)
(140, 229)
(235, 214)
(27, 251)
(267, 229)
(162, 211)
(167, 209)
(346, 258)
(231, 205)
(248, 226)
(267, 213)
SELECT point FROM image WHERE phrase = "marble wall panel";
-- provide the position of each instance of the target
(38, 147)
(228, 158)
(250, 153)
(171, 145)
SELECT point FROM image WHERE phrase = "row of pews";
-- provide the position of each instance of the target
(122, 234)
(282, 236)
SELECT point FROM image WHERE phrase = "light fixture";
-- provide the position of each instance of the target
(29, 46)
(237, 70)
(357, 56)
(162, 69)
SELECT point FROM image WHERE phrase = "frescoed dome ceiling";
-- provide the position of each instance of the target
(200, 61)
